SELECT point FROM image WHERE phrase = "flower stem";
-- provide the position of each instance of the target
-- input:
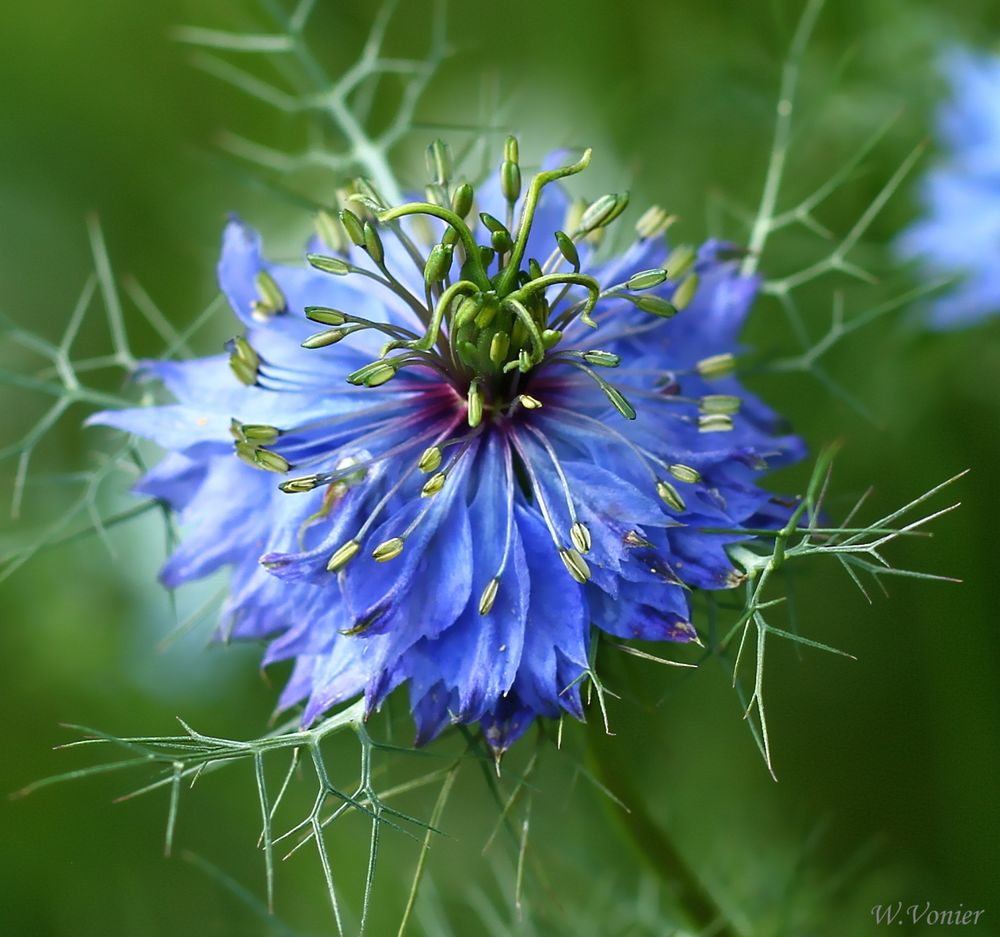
(653, 843)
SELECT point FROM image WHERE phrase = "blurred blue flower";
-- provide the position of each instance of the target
(959, 234)
(457, 510)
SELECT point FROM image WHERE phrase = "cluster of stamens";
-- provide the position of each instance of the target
(491, 318)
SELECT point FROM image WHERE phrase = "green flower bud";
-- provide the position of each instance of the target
(501, 242)
(487, 312)
(498, 347)
(510, 180)
(461, 200)
(534, 269)
(467, 310)
(438, 263)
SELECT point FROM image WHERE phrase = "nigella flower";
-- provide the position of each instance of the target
(444, 487)
(959, 235)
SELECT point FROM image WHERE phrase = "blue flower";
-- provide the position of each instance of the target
(482, 458)
(959, 235)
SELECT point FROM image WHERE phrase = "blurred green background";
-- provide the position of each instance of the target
(887, 765)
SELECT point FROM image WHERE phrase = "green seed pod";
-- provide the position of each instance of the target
(646, 279)
(333, 265)
(670, 495)
(352, 225)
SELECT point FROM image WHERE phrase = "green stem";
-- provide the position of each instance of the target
(652, 842)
